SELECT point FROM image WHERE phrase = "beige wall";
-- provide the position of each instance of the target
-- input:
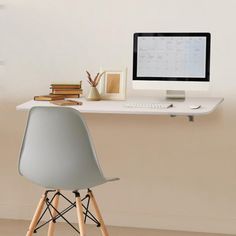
(174, 174)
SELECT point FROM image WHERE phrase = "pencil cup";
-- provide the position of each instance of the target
(93, 94)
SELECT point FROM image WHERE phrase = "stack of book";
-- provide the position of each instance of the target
(67, 90)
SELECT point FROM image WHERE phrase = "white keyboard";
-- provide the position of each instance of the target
(149, 105)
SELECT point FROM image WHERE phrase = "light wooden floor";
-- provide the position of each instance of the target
(19, 228)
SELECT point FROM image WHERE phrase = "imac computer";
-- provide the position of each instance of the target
(174, 62)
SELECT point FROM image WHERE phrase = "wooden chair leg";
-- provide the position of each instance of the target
(80, 215)
(36, 216)
(55, 202)
(98, 214)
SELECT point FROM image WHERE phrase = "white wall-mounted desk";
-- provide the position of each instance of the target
(180, 108)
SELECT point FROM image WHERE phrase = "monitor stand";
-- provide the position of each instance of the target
(175, 94)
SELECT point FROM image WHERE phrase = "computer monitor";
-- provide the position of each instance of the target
(171, 61)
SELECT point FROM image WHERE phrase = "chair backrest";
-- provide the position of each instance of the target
(57, 151)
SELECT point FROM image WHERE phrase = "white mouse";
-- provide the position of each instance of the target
(194, 106)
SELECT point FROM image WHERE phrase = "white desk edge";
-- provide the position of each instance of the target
(180, 108)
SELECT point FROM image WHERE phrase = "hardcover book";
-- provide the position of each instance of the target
(50, 97)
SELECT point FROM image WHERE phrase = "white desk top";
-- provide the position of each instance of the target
(180, 108)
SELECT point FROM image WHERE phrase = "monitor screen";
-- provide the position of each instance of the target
(171, 57)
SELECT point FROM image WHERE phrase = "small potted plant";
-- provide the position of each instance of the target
(93, 94)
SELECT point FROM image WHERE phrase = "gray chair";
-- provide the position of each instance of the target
(57, 153)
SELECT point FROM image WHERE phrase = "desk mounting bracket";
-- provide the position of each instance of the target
(190, 118)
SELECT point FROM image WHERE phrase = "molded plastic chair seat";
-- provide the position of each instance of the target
(57, 152)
